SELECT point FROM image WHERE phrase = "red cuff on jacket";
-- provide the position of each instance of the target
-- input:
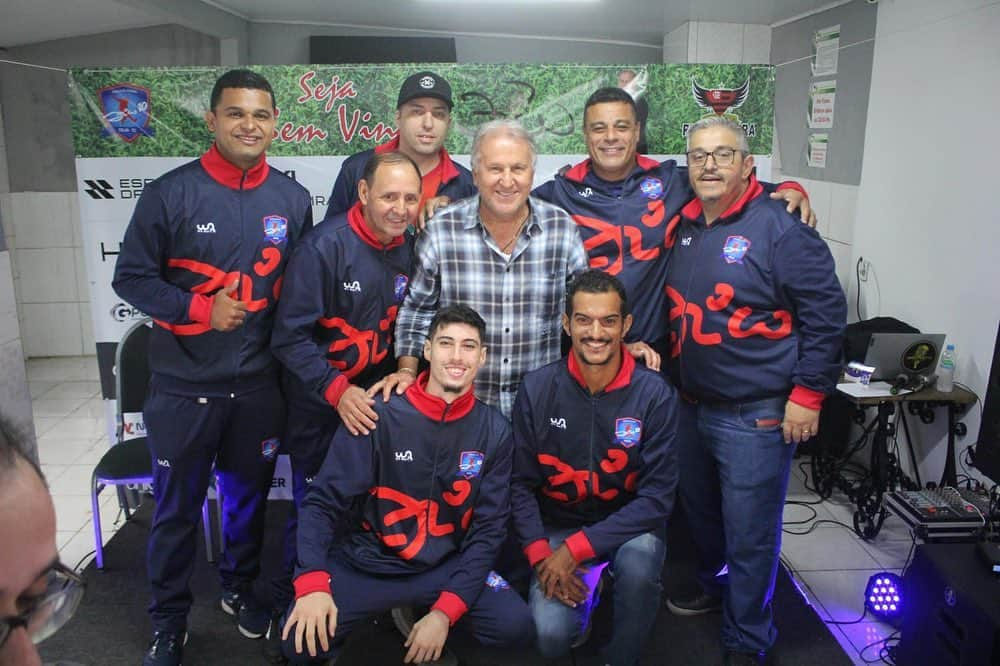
(200, 309)
(336, 389)
(807, 397)
(314, 581)
(536, 551)
(451, 605)
(579, 547)
(791, 185)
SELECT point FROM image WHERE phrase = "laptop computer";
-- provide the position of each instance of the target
(893, 354)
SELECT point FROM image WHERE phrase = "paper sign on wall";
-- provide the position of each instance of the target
(817, 150)
(822, 96)
(826, 51)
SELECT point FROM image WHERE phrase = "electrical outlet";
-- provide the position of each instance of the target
(863, 271)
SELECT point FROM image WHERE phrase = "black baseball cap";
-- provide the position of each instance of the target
(424, 84)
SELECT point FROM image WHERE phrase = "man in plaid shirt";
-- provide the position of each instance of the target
(503, 253)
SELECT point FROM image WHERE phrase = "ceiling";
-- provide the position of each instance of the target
(624, 21)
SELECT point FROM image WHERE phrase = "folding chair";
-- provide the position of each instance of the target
(128, 461)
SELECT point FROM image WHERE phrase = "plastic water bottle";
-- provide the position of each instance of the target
(946, 370)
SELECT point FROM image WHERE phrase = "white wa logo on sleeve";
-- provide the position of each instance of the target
(354, 286)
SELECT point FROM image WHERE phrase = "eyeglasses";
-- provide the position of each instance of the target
(50, 610)
(723, 156)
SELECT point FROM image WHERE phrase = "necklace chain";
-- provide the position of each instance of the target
(517, 234)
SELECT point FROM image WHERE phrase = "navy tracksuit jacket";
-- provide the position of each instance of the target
(337, 313)
(624, 226)
(604, 463)
(756, 310)
(455, 180)
(431, 482)
(214, 397)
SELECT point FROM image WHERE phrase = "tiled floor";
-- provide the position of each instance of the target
(830, 563)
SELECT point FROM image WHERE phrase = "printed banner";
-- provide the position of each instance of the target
(340, 110)
(132, 125)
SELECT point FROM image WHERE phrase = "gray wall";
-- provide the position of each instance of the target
(288, 44)
(791, 92)
(36, 112)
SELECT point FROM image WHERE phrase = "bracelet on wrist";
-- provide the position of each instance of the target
(408, 370)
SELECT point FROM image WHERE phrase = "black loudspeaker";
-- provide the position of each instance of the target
(951, 615)
(988, 444)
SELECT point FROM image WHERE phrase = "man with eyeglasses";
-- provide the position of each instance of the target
(757, 317)
(38, 595)
(623, 204)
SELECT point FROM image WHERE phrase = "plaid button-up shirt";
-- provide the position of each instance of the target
(521, 297)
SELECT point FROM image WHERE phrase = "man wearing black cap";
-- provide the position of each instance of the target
(423, 116)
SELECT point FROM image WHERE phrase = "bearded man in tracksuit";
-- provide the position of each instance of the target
(204, 255)
(623, 204)
(423, 117)
(334, 326)
(594, 477)
(430, 487)
(756, 323)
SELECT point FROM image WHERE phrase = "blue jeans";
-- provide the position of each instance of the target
(734, 467)
(635, 566)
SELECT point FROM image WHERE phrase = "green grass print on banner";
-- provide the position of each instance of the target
(340, 110)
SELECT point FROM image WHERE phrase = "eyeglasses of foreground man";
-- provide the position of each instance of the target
(61, 591)
(38, 594)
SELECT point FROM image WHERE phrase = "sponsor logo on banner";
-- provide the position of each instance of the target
(122, 312)
(470, 464)
(99, 189)
(126, 111)
(133, 427)
(103, 189)
(735, 249)
(275, 228)
(399, 287)
(720, 102)
(628, 431)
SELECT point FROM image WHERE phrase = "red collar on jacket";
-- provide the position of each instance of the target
(448, 170)
(693, 209)
(434, 407)
(579, 172)
(623, 378)
(356, 220)
(226, 173)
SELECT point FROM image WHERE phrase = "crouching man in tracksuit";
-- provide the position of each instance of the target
(594, 477)
(430, 486)
(204, 255)
(333, 330)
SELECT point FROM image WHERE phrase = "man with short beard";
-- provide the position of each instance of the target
(594, 477)
(334, 327)
(419, 506)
